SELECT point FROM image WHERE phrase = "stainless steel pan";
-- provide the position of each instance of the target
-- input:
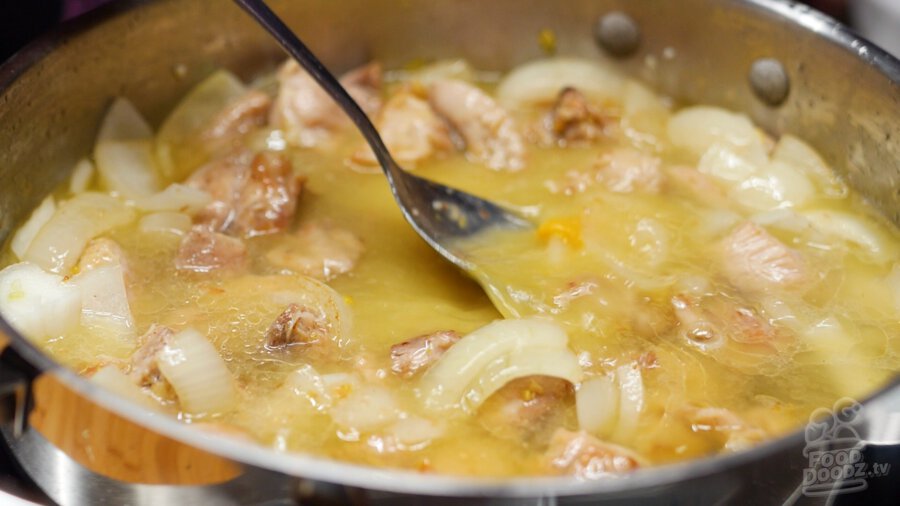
(842, 94)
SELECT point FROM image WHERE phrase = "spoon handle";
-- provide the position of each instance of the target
(296, 48)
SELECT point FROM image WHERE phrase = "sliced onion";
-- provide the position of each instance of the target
(798, 154)
(81, 177)
(722, 162)
(439, 70)
(540, 81)
(123, 122)
(777, 185)
(105, 300)
(114, 380)
(176, 197)
(319, 391)
(165, 222)
(127, 168)
(785, 219)
(872, 241)
(829, 337)
(59, 244)
(650, 240)
(597, 406)
(714, 222)
(365, 409)
(696, 129)
(483, 361)
(38, 304)
(631, 399)
(178, 152)
(202, 381)
(27, 232)
(413, 431)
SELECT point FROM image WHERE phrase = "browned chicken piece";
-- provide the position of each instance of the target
(364, 85)
(144, 368)
(223, 180)
(297, 325)
(317, 250)
(100, 252)
(527, 410)
(305, 112)
(266, 204)
(418, 353)
(248, 112)
(573, 121)
(585, 457)
(487, 129)
(251, 196)
(711, 321)
(628, 170)
(755, 260)
(734, 433)
(648, 360)
(410, 129)
(203, 250)
(697, 185)
(732, 333)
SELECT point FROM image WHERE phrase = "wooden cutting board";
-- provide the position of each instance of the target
(115, 447)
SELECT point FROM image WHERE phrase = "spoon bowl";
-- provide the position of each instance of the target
(441, 215)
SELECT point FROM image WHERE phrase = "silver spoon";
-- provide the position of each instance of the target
(440, 214)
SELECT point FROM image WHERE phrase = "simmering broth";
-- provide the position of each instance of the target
(692, 286)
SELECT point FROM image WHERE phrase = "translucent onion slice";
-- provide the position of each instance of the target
(365, 409)
(82, 176)
(105, 300)
(198, 374)
(178, 151)
(308, 384)
(412, 432)
(631, 400)
(27, 232)
(38, 304)
(61, 240)
(485, 360)
(437, 71)
(597, 406)
(127, 168)
(798, 154)
(696, 129)
(114, 380)
(776, 185)
(872, 241)
(176, 197)
(722, 162)
(123, 122)
(539, 82)
(165, 222)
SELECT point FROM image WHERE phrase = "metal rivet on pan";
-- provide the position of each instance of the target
(618, 34)
(769, 81)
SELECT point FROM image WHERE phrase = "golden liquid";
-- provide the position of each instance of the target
(400, 288)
